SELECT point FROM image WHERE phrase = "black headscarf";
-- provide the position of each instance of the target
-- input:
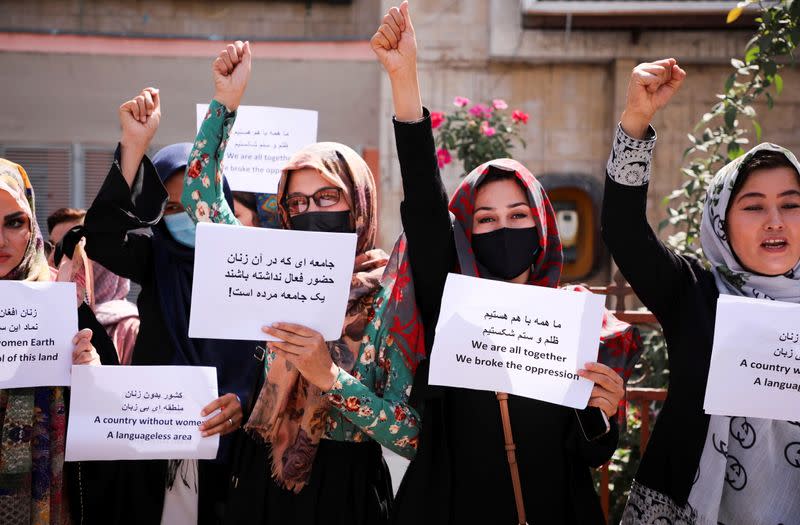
(174, 269)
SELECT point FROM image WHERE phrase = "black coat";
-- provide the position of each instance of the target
(125, 234)
(683, 296)
(461, 474)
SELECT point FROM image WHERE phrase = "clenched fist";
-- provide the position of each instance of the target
(395, 43)
(231, 72)
(139, 118)
(651, 86)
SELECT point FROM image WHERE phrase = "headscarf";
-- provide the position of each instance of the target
(173, 269)
(290, 412)
(33, 266)
(546, 270)
(118, 316)
(32, 420)
(620, 342)
(731, 277)
(743, 457)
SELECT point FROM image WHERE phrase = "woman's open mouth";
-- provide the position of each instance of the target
(775, 245)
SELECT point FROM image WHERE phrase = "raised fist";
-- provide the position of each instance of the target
(395, 43)
(139, 118)
(231, 71)
(651, 86)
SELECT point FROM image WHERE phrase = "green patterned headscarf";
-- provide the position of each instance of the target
(732, 278)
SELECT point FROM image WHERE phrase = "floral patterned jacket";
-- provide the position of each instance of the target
(372, 400)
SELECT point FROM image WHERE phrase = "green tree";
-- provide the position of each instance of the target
(755, 76)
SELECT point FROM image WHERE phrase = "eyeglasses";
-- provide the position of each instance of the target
(297, 203)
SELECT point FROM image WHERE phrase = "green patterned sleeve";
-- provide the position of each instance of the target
(388, 419)
(202, 195)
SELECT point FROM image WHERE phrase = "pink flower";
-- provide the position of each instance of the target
(461, 102)
(444, 157)
(436, 119)
(519, 116)
(499, 103)
(487, 130)
(480, 111)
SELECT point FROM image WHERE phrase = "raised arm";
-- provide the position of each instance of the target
(202, 195)
(426, 219)
(652, 269)
(132, 198)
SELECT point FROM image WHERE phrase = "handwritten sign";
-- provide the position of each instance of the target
(37, 324)
(261, 142)
(755, 360)
(525, 340)
(140, 412)
(246, 278)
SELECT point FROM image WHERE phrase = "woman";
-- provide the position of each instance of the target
(137, 228)
(503, 228)
(32, 420)
(245, 207)
(345, 397)
(750, 234)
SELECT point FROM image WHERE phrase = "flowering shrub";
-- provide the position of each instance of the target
(477, 133)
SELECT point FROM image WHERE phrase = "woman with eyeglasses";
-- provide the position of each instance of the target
(312, 449)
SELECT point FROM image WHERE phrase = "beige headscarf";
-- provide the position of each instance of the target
(290, 413)
(32, 420)
(33, 266)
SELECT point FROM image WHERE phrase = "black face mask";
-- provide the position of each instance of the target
(506, 252)
(323, 221)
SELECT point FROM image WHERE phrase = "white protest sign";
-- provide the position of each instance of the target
(140, 412)
(525, 340)
(755, 360)
(247, 278)
(262, 140)
(37, 324)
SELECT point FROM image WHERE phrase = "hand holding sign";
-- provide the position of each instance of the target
(306, 349)
(231, 72)
(228, 419)
(84, 353)
(609, 389)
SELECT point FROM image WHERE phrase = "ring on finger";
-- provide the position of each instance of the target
(230, 421)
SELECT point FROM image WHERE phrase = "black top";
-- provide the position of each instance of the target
(683, 296)
(123, 230)
(461, 474)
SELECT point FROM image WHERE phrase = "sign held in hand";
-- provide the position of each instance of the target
(262, 140)
(140, 412)
(37, 324)
(755, 360)
(247, 278)
(528, 341)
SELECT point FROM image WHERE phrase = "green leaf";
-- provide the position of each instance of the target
(778, 84)
(730, 116)
(734, 151)
(770, 101)
(751, 55)
(757, 127)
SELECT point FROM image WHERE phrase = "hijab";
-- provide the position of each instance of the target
(732, 278)
(289, 413)
(743, 470)
(546, 269)
(32, 420)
